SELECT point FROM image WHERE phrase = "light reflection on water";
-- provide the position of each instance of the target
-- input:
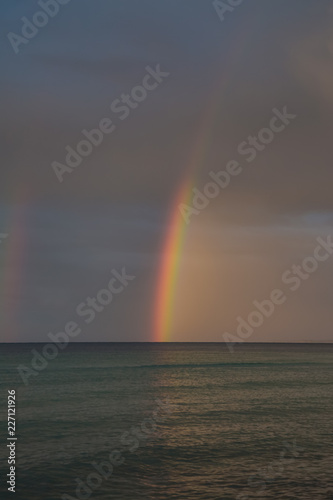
(231, 415)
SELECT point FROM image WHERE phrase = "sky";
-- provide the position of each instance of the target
(214, 78)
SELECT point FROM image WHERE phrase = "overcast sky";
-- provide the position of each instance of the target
(222, 80)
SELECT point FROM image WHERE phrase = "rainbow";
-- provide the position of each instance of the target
(13, 264)
(170, 267)
(176, 235)
(167, 279)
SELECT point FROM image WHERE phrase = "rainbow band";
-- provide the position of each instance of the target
(14, 264)
(170, 268)
(177, 228)
(176, 235)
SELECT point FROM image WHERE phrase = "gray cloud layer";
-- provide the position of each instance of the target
(112, 210)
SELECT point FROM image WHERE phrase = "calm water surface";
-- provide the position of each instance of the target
(256, 423)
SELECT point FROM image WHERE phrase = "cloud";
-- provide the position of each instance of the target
(112, 210)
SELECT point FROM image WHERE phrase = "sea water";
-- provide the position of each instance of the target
(171, 421)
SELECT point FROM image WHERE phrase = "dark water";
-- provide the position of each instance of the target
(256, 423)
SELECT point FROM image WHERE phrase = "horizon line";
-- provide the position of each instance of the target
(170, 342)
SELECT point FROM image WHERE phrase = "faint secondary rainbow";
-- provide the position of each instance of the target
(164, 307)
(13, 263)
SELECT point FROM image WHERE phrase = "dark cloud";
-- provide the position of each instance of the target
(225, 79)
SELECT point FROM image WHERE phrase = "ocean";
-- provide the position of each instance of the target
(170, 421)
